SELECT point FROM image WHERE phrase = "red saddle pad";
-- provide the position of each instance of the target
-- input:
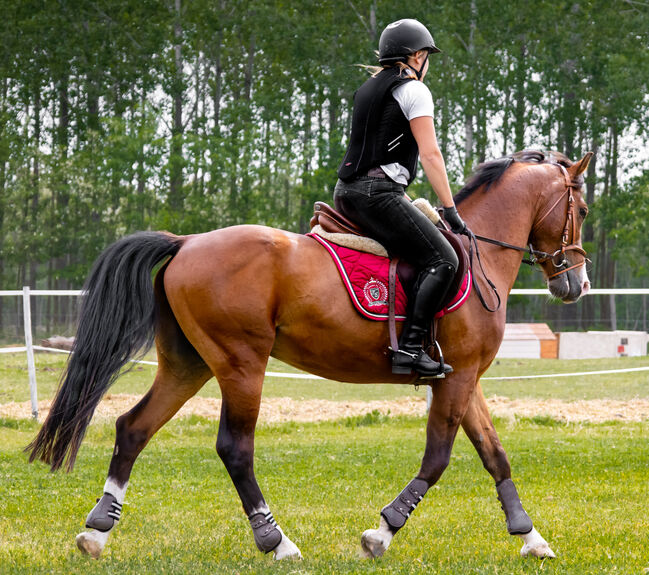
(366, 278)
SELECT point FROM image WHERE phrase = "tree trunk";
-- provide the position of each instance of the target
(36, 182)
(141, 169)
(521, 75)
(373, 31)
(588, 305)
(3, 183)
(306, 156)
(175, 199)
(507, 109)
(250, 65)
(61, 197)
(334, 103)
(605, 262)
(469, 114)
(217, 87)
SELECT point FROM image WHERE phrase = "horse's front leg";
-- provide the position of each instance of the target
(480, 429)
(450, 401)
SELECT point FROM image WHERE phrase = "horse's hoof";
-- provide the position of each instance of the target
(89, 544)
(536, 546)
(541, 551)
(286, 550)
(373, 543)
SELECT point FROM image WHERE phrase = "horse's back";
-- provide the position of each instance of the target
(235, 264)
(277, 291)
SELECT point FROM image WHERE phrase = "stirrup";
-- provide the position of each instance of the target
(444, 367)
(414, 360)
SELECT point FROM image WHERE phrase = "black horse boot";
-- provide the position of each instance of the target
(433, 285)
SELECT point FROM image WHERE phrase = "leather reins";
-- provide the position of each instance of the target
(536, 256)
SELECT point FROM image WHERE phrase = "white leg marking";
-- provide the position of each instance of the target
(286, 549)
(376, 541)
(115, 490)
(535, 545)
(263, 509)
(92, 542)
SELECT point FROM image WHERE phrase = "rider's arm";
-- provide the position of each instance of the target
(423, 129)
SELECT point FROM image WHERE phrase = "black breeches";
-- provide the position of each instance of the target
(380, 207)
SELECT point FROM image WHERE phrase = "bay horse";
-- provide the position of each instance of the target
(223, 302)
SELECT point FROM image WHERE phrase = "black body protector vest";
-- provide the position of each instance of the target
(380, 131)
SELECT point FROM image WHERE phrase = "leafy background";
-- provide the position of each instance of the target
(123, 115)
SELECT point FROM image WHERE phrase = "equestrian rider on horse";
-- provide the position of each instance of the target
(392, 125)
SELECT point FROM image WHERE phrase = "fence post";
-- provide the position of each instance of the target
(31, 366)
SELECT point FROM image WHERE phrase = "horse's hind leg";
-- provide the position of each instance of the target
(170, 390)
(241, 392)
(480, 429)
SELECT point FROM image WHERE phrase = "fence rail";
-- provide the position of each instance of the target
(29, 348)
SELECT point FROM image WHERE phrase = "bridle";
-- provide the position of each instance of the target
(558, 258)
(568, 235)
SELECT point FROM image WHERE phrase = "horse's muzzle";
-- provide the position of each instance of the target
(571, 285)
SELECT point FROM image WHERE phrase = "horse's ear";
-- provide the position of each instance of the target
(579, 167)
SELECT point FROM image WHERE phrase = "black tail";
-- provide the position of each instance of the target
(116, 322)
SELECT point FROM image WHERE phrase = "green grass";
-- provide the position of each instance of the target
(583, 485)
(14, 382)
(610, 386)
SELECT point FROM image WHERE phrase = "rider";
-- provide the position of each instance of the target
(392, 125)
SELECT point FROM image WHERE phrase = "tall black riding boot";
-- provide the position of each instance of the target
(433, 285)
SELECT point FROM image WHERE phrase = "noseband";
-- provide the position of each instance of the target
(558, 258)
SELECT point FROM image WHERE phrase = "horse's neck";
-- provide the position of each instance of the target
(506, 215)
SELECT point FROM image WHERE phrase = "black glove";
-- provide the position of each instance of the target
(455, 221)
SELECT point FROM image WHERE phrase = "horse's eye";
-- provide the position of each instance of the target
(583, 212)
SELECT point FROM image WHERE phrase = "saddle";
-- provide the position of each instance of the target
(333, 222)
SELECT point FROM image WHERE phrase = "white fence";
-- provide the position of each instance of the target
(29, 347)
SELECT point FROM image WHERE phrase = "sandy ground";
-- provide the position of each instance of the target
(286, 409)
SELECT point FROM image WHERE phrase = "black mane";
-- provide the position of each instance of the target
(491, 171)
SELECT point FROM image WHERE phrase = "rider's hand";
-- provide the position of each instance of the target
(454, 220)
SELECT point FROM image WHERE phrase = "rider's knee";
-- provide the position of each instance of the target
(450, 260)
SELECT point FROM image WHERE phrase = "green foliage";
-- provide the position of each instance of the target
(373, 417)
(626, 215)
(123, 116)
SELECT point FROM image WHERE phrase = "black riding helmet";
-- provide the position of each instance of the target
(402, 38)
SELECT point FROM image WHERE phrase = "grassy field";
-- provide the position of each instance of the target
(584, 485)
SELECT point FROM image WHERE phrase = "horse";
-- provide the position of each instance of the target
(222, 302)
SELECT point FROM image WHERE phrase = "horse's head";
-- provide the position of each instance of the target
(557, 231)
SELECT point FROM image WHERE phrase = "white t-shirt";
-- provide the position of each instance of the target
(415, 100)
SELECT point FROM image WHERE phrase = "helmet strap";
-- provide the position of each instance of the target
(419, 72)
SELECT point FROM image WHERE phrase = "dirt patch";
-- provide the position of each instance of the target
(280, 409)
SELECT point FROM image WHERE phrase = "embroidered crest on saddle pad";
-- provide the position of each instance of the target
(366, 278)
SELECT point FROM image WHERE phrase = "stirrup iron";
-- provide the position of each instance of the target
(411, 364)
